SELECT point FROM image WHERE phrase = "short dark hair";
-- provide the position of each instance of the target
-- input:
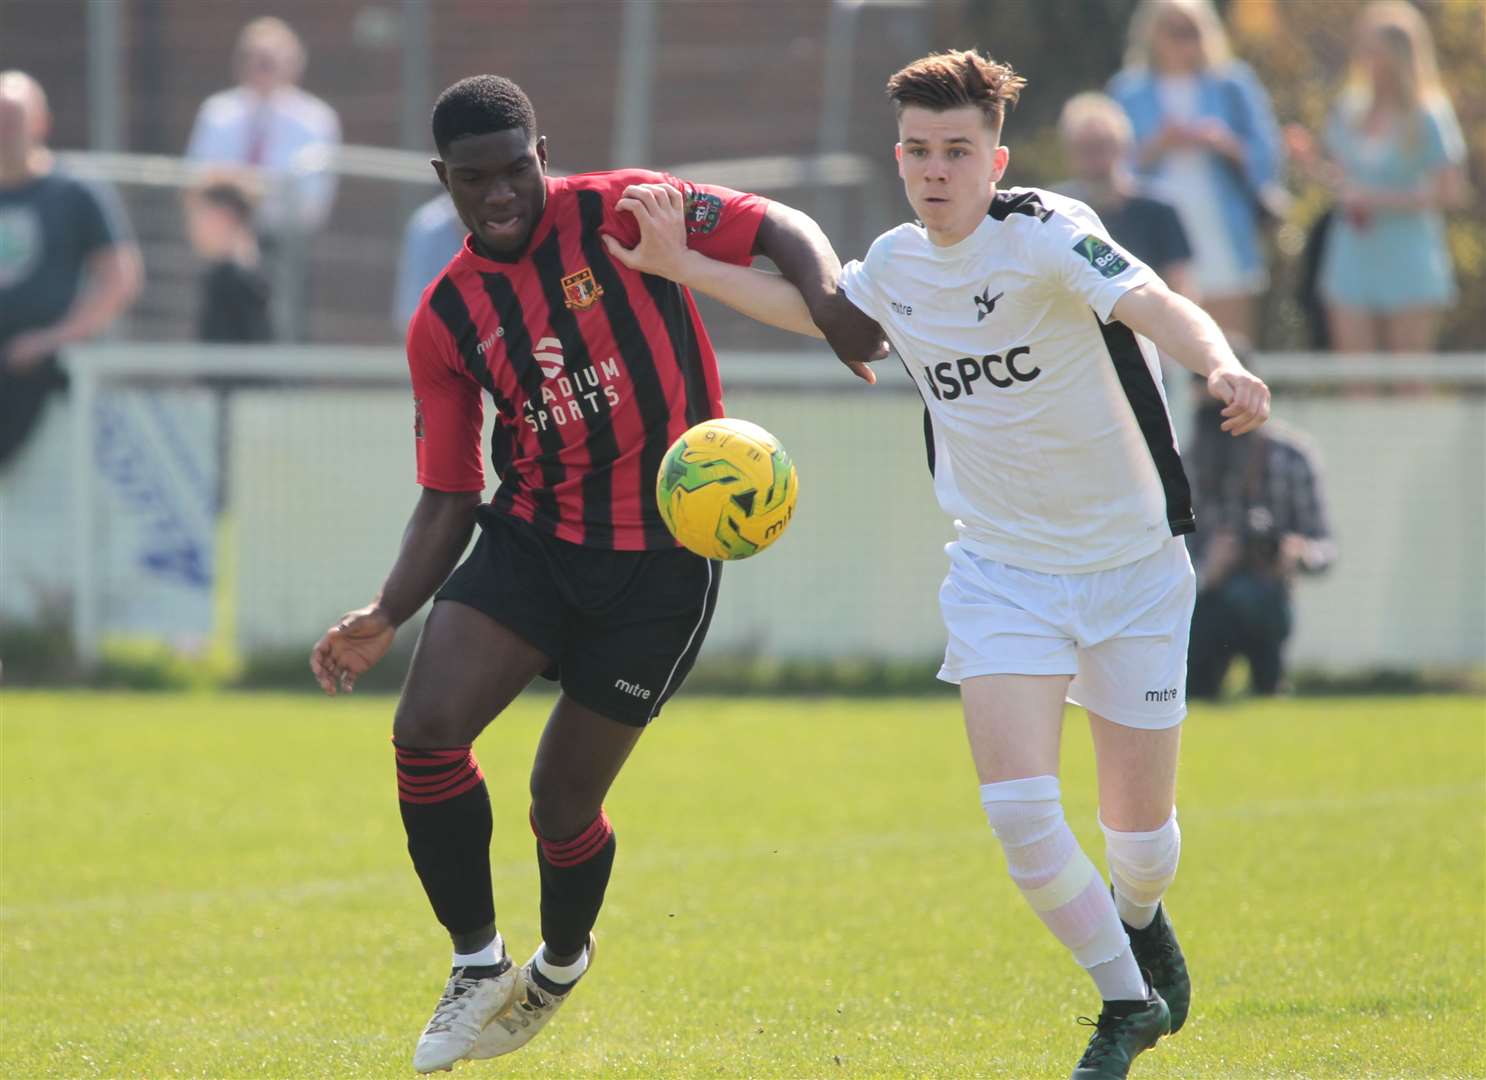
(230, 191)
(959, 77)
(480, 105)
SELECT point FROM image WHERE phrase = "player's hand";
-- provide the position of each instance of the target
(350, 648)
(855, 338)
(660, 211)
(1244, 396)
(29, 349)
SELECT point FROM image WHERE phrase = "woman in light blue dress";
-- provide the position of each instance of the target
(1206, 142)
(1394, 156)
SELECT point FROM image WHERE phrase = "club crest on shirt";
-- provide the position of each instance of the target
(417, 418)
(580, 291)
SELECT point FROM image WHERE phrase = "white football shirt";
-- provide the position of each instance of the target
(1046, 423)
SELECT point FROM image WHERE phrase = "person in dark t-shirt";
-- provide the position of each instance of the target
(68, 265)
(1096, 141)
(235, 291)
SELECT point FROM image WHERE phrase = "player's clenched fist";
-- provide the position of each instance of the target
(350, 648)
(1244, 395)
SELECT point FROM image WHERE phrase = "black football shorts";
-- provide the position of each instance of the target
(623, 628)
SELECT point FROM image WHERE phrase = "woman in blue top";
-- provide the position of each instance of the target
(1394, 155)
(1206, 137)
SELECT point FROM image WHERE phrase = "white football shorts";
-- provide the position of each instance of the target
(1121, 633)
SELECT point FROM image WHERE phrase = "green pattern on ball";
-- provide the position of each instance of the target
(689, 474)
(732, 541)
(779, 489)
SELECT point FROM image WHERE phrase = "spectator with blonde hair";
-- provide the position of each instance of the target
(1393, 154)
(1204, 129)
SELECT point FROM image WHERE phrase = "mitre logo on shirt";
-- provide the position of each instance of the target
(488, 341)
(570, 396)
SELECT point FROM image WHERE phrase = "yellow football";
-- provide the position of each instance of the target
(726, 489)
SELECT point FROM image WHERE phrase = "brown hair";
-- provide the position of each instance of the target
(959, 77)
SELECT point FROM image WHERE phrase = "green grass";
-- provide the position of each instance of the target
(216, 886)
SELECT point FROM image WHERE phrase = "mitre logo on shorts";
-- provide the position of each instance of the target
(950, 379)
(568, 396)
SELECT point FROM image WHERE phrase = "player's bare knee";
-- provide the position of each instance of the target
(428, 724)
(561, 805)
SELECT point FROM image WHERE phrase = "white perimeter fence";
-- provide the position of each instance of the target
(116, 509)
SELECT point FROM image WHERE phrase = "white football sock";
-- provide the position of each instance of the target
(560, 974)
(1119, 979)
(1060, 882)
(1142, 866)
(487, 957)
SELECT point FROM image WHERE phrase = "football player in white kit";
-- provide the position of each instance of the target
(1032, 339)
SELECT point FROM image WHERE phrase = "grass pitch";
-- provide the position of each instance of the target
(197, 886)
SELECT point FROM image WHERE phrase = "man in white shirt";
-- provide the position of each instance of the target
(268, 123)
(288, 138)
(1032, 340)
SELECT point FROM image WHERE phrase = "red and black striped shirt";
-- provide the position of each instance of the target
(594, 369)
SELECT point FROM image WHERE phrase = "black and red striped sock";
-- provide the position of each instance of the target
(446, 813)
(575, 873)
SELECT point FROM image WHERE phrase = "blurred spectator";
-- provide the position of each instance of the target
(268, 123)
(1393, 154)
(234, 293)
(68, 262)
(1097, 140)
(1263, 521)
(1205, 129)
(433, 236)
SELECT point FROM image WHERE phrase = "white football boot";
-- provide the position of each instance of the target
(532, 1008)
(462, 1013)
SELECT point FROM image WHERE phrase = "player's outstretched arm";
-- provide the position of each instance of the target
(436, 536)
(662, 251)
(1187, 334)
(768, 298)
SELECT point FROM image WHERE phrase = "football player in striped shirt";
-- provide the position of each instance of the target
(593, 370)
(1032, 338)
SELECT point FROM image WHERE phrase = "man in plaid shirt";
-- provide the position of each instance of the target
(1262, 522)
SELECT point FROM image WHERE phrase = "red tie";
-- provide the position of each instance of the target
(258, 136)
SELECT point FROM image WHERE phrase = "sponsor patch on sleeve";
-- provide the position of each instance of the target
(1101, 256)
(703, 212)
